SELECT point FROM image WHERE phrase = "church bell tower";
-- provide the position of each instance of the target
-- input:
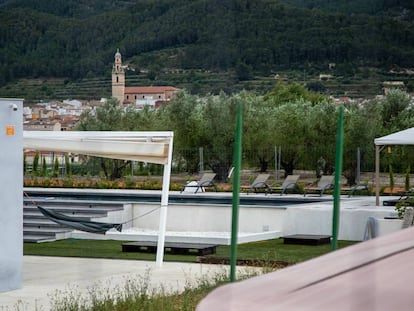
(118, 78)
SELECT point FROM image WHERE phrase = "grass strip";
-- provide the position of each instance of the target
(264, 251)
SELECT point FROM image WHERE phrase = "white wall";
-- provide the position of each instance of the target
(11, 193)
(317, 219)
(311, 218)
(209, 218)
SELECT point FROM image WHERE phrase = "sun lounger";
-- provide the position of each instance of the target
(259, 183)
(351, 190)
(206, 180)
(289, 183)
(325, 183)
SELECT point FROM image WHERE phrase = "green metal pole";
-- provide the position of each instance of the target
(338, 174)
(236, 193)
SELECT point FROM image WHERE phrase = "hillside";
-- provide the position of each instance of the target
(241, 40)
(400, 9)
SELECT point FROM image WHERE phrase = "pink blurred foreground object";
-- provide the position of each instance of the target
(374, 275)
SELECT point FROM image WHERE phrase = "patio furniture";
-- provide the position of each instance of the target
(289, 183)
(259, 183)
(351, 190)
(206, 180)
(324, 183)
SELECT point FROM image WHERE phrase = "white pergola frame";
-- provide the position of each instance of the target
(152, 147)
(405, 137)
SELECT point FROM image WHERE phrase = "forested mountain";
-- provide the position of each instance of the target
(75, 39)
(401, 9)
(67, 8)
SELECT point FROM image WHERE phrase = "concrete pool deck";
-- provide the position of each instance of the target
(44, 276)
(210, 223)
(47, 278)
(206, 217)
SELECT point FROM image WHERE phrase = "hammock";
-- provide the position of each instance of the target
(79, 223)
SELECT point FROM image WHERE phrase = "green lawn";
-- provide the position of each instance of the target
(135, 296)
(277, 251)
(270, 250)
(94, 249)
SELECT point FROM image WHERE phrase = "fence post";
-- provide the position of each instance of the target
(236, 192)
(201, 157)
(338, 174)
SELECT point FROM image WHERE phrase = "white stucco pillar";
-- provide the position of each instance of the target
(11, 193)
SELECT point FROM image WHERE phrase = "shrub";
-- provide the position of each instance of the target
(391, 177)
(407, 179)
(401, 206)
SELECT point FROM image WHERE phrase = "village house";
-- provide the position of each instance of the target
(63, 116)
(54, 116)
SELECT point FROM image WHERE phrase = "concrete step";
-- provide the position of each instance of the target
(78, 212)
(109, 206)
(44, 230)
(34, 238)
(82, 215)
(38, 221)
(51, 226)
(38, 228)
(40, 218)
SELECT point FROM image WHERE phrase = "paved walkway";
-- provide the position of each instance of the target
(46, 278)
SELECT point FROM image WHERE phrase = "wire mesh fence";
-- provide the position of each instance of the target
(276, 160)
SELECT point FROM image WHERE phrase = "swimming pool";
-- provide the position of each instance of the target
(131, 196)
(192, 217)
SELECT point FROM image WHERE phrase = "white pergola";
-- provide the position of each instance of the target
(152, 147)
(405, 137)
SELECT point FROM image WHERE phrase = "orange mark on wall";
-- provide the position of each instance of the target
(10, 130)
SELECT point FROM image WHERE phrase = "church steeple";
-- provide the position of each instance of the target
(118, 78)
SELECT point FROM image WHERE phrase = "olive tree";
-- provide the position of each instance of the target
(206, 122)
(321, 137)
(258, 130)
(362, 123)
(397, 112)
(396, 109)
(284, 93)
(292, 124)
(219, 128)
(184, 116)
(110, 116)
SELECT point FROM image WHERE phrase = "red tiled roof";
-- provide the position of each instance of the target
(148, 89)
(69, 119)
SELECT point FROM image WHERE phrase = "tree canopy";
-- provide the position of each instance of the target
(304, 130)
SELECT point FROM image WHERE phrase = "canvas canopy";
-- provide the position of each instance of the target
(405, 137)
(152, 147)
(136, 146)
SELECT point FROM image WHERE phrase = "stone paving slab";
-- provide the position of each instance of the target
(44, 276)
